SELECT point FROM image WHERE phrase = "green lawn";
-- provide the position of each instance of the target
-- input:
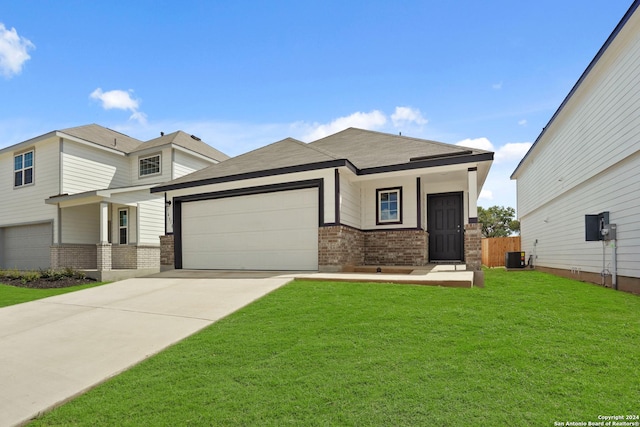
(10, 295)
(530, 349)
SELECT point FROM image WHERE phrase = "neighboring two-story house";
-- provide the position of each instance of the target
(80, 198)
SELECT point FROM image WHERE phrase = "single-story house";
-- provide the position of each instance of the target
(353, 198)
(80, 198)
(586, 162)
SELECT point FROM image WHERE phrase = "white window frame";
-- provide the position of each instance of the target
(23, 169)
(379, 206)
(140, 168)
(123, 227)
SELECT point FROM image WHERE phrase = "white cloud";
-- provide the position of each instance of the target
(407, 115)
(13, 51)
(486, 195)
(370, 121)
(497, 86)
(120, 100)
(479, 143)
(522, 122)
(513, 151)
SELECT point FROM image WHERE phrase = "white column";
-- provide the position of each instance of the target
(472, 176)
(104, 222)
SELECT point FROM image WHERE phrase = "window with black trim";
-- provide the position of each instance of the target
(123, 226)
(389, 205)
(23, 169)
(149, 165)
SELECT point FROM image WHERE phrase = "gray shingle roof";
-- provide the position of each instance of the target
(187, 141)
(104, 136)
(369, 149)
(364, 149)
(282, 154)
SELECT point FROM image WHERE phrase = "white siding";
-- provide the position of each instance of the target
(559, 225)
(151, 214)
(349, 202)
(81, 224)
(145, 207)
(165, 167)
(26, 204)
(86, 168)
(327, 174)
(184, 164)
(409, 202)
(597, 128)
(587, 162)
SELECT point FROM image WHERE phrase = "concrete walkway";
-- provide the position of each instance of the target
(54, 349)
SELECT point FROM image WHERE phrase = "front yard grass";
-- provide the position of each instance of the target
(10, 295)
(529, 349)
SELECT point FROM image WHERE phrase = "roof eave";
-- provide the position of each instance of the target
(584, 75)
(257, 174)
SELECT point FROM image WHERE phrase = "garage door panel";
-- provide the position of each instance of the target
(273, 231)
(26, 247)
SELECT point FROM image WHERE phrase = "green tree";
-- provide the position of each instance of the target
(498, 221)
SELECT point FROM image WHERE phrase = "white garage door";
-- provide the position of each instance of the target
(272, 231)
(26, 247)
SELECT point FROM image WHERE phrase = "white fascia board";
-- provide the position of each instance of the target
(89, 143)
(93, 196)
(195, 154)
(28, 142)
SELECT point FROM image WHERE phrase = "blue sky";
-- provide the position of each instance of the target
(243, 74)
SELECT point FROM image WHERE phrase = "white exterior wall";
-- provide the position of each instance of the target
(81, 224)
(145, 208)
(165, 166)
(151, 215)
(369, 203)
(559, 228)
(350, 200)
(326, 174)
(584, 164)
(87, 168)
(184, 164)
(26, 204)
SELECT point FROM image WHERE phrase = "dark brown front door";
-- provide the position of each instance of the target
(444, 224)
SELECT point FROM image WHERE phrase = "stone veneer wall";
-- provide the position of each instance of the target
(167, 257)
(396, 247)
(473, 246)
(339, 246)
(74, 256)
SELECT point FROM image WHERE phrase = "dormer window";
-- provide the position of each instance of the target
(149, 165)
(23, 169)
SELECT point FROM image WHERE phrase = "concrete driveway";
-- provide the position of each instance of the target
(53, 349)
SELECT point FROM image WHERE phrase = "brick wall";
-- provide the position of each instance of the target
(124, 257)
(148, 257)
(167, 251)
(473, 246)
(339, 246)
(103, 256)
(396, 247)
(74, 256)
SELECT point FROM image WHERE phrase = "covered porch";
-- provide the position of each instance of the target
(109, 234)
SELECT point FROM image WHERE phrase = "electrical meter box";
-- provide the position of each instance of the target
(609, 232)
(594, 226)
(514, 260)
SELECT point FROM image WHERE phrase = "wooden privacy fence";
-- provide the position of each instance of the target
(493, 249)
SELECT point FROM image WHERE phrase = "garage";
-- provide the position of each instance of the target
(268, 231)
(26, 247)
